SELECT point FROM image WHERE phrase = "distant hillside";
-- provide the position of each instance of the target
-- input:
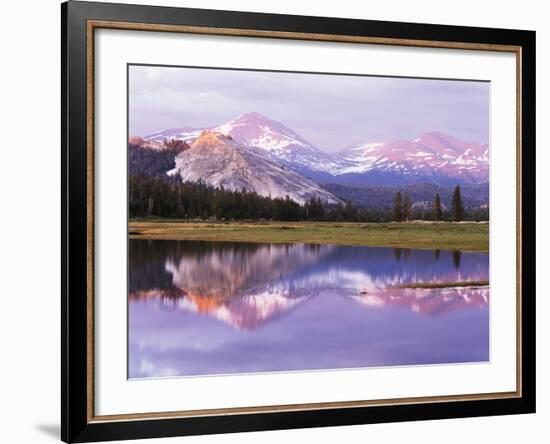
(381, 198)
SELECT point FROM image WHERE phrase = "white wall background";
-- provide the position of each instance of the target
(30, 220)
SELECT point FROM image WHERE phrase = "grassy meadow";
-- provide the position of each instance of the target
(464, 236)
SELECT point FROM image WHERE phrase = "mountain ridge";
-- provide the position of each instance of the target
(432, 157)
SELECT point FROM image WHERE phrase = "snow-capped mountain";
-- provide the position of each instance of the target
(281, 143)
(220, 161)
(276, 141)
(432, 157)
(432, 154)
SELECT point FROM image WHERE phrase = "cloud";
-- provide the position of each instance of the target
(331, 111)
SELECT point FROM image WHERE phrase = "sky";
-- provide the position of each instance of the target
(333, 112)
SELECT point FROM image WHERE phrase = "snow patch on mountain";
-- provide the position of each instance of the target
(433, 153)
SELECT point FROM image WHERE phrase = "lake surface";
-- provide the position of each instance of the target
(204, 308)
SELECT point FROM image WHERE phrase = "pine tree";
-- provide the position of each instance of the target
(397, 207)
(407, 207)
(437, 207)
(457, 207)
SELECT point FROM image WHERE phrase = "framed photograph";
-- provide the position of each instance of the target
(275, 221)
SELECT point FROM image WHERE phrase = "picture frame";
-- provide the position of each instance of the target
(80, 22)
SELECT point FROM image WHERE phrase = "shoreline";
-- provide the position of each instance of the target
(461, 236)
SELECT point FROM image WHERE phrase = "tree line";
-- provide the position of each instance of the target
(151, 196)
(403, 209)
(155, 196)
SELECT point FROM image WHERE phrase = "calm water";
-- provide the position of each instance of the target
(201, 308)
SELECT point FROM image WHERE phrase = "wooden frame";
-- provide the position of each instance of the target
(79, 21)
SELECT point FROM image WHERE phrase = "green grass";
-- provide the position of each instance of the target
(446, 284)
(444, 235)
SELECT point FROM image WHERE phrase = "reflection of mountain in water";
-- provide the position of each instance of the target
(428, 301)
(246, 285)
(245, 312)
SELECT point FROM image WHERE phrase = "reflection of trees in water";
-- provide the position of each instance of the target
(437, 253)
(457, 255)
(147, 258)
(397, 254)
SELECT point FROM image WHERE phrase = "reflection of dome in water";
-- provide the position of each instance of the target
(227, 272)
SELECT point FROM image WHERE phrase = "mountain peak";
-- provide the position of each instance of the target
(252, 118)
(254, 129)
(253, 115)
(255, 119)
(436, 134)
(433, 155)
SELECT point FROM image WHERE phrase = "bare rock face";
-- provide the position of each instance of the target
(217, 160)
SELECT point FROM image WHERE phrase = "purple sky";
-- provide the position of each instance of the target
(330, 111)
